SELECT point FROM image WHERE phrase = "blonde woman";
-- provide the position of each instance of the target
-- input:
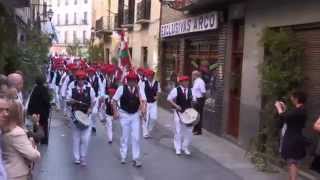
(17, 149)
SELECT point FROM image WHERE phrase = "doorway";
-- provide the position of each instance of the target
(235, 79)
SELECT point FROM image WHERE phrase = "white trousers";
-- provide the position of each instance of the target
(108, 125)
(81, 139)
(183, 134)
(95, 114)
(57, 97)
(151, 117)
(130, 124)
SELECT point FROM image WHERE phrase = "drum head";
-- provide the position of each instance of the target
(190, 116)
(82, 118)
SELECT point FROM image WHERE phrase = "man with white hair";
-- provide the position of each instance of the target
(199, 91)
(15, 80)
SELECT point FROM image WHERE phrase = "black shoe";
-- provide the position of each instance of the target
(197, 133)
(94, 131)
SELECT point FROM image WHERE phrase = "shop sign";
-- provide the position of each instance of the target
(203, 22)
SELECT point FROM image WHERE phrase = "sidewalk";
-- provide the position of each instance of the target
(224, 152)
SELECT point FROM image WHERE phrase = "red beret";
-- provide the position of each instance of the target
(91, 70)
(109, 69)
(148, 72)
(140, 70)
(111, 91)
(81, 74)
(132, 76)
(183, 78)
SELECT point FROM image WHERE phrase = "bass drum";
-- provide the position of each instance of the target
(81, 120)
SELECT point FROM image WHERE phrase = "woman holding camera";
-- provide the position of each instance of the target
(294, 143)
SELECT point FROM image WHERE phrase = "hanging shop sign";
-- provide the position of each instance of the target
(203, 22)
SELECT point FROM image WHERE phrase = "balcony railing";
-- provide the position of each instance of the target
(143, 11)
(128, 18)
(106, 24)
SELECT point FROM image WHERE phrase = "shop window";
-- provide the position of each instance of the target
(66, 20)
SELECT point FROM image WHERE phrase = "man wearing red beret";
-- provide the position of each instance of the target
(151, 88)
(132, 108)
(181, 99)
(105, 106)
(82, 96)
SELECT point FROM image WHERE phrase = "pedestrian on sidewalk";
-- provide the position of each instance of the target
(39, 104)
(181, 98)
(105, 105)
(293, 147)
(19, 152)
(199, 92)
(4, 113)
(151, 88)
(82, 96)
(131, 112)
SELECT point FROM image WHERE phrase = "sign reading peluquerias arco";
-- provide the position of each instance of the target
(203, 22)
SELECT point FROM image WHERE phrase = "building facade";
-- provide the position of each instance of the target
(73, 23)
(235, 45)
(140, 20)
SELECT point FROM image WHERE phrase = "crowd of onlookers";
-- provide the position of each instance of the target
(23, 126)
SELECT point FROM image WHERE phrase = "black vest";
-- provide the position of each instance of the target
(84, 97)
(151, 92)
(58, 78)
(51, 76)
(112, 84)
(130, 102)
(71, 79)
(95, 85)
(181, 99)
(109, 110)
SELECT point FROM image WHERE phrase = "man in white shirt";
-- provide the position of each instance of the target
(199, 91)
(181, 98)
(151, 88)
(81, 91)
(131, 112)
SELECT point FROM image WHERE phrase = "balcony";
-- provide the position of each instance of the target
(128, 19)
(143, 11)
(17, 3)
(106, 25)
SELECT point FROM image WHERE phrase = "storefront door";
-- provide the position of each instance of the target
(235, 86)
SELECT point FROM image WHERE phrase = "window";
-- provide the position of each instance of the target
(67, 2)
(144, 56)
(74, 36)
(107, 54)
(65, 37)
(66, 20)
(84, 33)
(130, 51)
(85, 1)
(75, 2)
(85, 17)
(58, 3)
(75, 18)
(58, 19)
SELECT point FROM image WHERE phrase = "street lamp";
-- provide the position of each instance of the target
(50, 14)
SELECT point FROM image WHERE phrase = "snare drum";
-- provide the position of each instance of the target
(81, 120)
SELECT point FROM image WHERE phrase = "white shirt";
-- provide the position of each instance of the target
(119, 93)
(174, 93)
(199, 88)
(92, 93)
(106, 80)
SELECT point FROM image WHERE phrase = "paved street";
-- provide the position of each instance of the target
(160, 162)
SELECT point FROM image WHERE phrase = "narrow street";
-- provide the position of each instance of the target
(159, 159)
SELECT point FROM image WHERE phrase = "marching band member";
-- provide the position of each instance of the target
(181, 99)
(72, 68)
(151, 87)
(82, 96)
(56, 84)
(105, 102)
(132, 100)
(95, 82)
